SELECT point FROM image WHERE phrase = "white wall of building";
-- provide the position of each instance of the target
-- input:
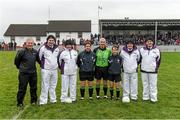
(7, 39)
(86, 35)
(68, 35)
(63, 35)
(21, 39)
(43, 39)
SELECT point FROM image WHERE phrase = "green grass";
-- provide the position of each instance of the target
(168, 106)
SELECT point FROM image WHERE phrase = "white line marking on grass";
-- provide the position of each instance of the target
(15, 117)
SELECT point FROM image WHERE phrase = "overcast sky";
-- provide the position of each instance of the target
(36, 11)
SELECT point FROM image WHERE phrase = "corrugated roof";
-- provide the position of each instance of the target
(26, 30)
(69, 26)
(139, 20)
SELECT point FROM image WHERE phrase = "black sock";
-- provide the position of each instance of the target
(111, 92)
(117, 93)
(105, 90)
(82, 91)
(90, 91)
(97, 90)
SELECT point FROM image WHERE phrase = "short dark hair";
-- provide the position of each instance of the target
(149, 38)
(115, 46)
(51, 36)
(68, 42)
(87, 42)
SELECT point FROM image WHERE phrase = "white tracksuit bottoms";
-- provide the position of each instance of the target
(68, 82)
(149, 81)
(130, 85)
(48, 84)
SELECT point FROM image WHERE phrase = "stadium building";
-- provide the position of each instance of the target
(62, 29)
(165, 31)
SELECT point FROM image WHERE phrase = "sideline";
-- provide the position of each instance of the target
(15, 117)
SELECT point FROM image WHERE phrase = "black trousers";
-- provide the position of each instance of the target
(24, 79)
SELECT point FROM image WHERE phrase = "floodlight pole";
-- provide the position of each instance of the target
(155, 37)
(98, 20)
(49, 12)
(101, 29)
(99, 23)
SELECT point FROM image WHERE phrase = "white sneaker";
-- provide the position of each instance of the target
(55, 101)
(125, 100)
(90, 98)
(106, 97)
(41, 104)
(98, 97)
(145, 99)
(82, 98)
(153, 101)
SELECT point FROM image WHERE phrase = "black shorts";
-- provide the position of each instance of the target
(83, 76)
(101, 72)
(115, 78)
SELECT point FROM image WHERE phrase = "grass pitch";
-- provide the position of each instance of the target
(168, 106)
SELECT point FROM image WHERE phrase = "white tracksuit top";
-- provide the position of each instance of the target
(150, 59)
(67, 62)
(49, 57)
(130, 60)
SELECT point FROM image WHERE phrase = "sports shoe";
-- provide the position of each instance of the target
(54, 102)
(106, 97)
(90, 98)
(153, 101)
(20, 105)
(145, 99)
(34, 103)
(42, 104)
(118, 98)
(82, 98)
(98, 97)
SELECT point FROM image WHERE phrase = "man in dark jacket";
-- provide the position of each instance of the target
(86, 63)
(25, 61)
